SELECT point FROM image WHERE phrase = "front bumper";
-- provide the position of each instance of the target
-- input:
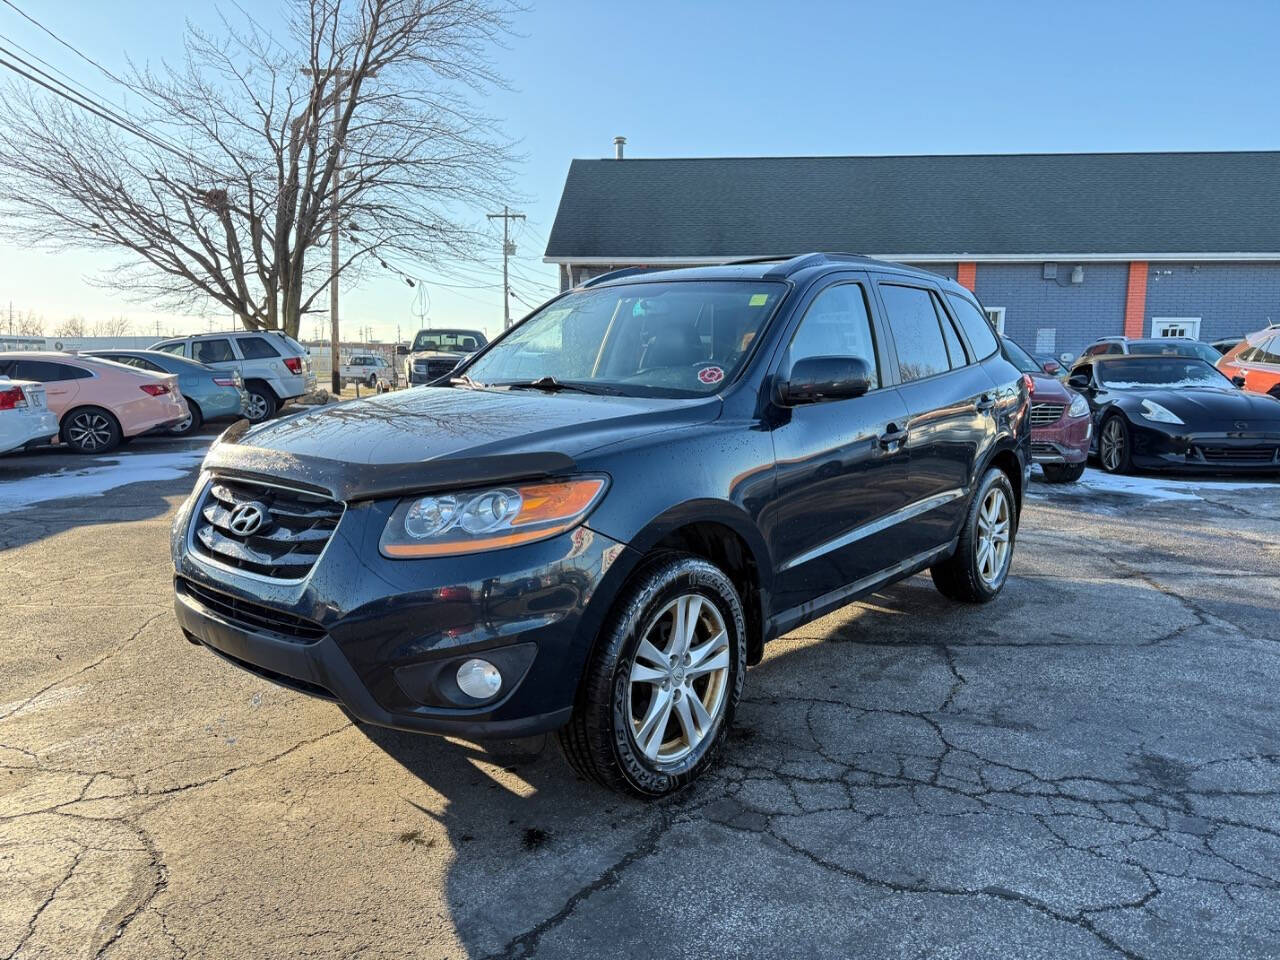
(1167, 447)
(1066, 441)
(384, 638)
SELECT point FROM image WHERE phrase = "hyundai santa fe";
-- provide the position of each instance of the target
(606, 514)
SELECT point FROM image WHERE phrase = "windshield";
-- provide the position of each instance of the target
(448, 341)
(1132, 372)
(1019, 357)
(673, 338)
(1174, 348)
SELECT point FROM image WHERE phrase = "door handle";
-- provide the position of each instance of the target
(986, 403)
(893, 435)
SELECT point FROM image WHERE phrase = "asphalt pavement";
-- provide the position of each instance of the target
(1088, 767)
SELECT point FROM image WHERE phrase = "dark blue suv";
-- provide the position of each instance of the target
(610, 510)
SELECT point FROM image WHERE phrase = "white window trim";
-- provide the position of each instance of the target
(996, 314)
(1191, 323)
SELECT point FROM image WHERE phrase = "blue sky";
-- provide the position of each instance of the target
(735, 78)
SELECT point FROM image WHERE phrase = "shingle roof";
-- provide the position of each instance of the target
(996, 204)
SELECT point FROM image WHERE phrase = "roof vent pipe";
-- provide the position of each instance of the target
(618, 144)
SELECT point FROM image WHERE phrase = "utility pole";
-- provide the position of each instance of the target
(508, 250)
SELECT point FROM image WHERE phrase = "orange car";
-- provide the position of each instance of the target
(1254, 363)
(99, 403)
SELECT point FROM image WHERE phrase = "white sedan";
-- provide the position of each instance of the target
(25, 417)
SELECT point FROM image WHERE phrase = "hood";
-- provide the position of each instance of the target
(1213, 405)
(1050, 390)
(439, 437)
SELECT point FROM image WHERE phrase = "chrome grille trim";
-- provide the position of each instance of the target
(1044, 414)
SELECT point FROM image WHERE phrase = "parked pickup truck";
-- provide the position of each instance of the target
(370, 369)
(435, 353)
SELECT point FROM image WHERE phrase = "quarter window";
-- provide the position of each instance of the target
(975, 325)
(1267, 352)
(213, 351)
(837, 324)
(173, 348)
(255, 348)
(922, 351)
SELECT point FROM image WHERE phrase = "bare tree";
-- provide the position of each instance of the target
(30, 325)
(70, 327)
(366, 113)
(115, 327)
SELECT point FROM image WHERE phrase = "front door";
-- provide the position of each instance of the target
(840, 467)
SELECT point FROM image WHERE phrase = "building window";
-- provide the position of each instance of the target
(1176, 327)
(996, 316)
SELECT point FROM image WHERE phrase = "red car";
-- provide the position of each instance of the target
(1254, 363)
(1060, 421)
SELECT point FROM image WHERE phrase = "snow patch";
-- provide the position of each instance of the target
(1150, 487)
(96, 480)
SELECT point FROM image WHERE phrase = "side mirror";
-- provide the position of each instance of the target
(401, 350)
(1051, 367)
(1238, 380)
(817, 379)
(1079, 382)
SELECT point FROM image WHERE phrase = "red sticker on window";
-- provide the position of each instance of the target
(710, 374)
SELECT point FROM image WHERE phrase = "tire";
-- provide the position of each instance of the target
(1115, 444)
(191, 424)
(966, 575)
(262, 403)
(620, 690)
(90, 430)
(1063, 472)
(372, 382)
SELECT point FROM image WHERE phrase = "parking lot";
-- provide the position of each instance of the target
(1090, 766)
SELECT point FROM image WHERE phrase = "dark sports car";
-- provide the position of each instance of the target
(1159, 412)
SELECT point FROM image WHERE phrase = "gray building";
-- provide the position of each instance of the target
(1061, 248)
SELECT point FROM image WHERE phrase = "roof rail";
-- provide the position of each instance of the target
(807, 260)
(613, 275)
(741, 261)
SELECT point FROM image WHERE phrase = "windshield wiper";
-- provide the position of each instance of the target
(552, 385)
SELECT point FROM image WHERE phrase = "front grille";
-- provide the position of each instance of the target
(1044, 414)
(295, 528)
(433, 368)
(1260, 454)
(253, 616)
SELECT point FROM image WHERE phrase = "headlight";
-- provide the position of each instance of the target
(447, 524)
(1079, 406)
(1155, 412)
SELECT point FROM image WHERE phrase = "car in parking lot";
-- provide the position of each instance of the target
(371, 369)
(1061, 423)
(1254, 363)
(1163, 413)
(211, 394)
(1158, 346)
(599, 523)
(25, 417)
(274, 366)
(436, 352)
(99, 404)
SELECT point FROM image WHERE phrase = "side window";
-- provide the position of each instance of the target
(1268, 351)
(174, 348)
(922, 352)
(212, 351)
(837, 324)
(975, 325)
(254, 348)
(955, 349)
(42, 371)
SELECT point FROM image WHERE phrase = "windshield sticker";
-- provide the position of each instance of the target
(758, 299)
(710, 374)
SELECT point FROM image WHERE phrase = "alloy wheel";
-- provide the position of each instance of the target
(89, 431)
(182, 427)
(256, 408)
(993, 536)
(1113, 444)
(679, 679)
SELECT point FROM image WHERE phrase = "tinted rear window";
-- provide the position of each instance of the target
(256, 348)
(43, 371)
(922, 352)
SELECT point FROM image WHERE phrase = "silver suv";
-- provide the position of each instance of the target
(275, 367)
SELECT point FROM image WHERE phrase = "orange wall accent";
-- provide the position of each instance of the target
(1135, 301)
(967, 274)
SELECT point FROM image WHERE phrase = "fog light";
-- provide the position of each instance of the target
(479, 679)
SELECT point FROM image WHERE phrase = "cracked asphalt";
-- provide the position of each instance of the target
(1088, 767)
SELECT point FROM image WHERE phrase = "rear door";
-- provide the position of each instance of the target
(841, 471)
(215, 352)
(951, 406)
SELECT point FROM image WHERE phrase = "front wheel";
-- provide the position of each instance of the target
(1063, 472)
(1114, 447)
(977, 570)
(663, 682)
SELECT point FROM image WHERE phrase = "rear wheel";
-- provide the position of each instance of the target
(1063, 472)
(262, 402)
(976, 572)
(1114, 447)
(191, 424)
(663, 682)
(90, 430)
